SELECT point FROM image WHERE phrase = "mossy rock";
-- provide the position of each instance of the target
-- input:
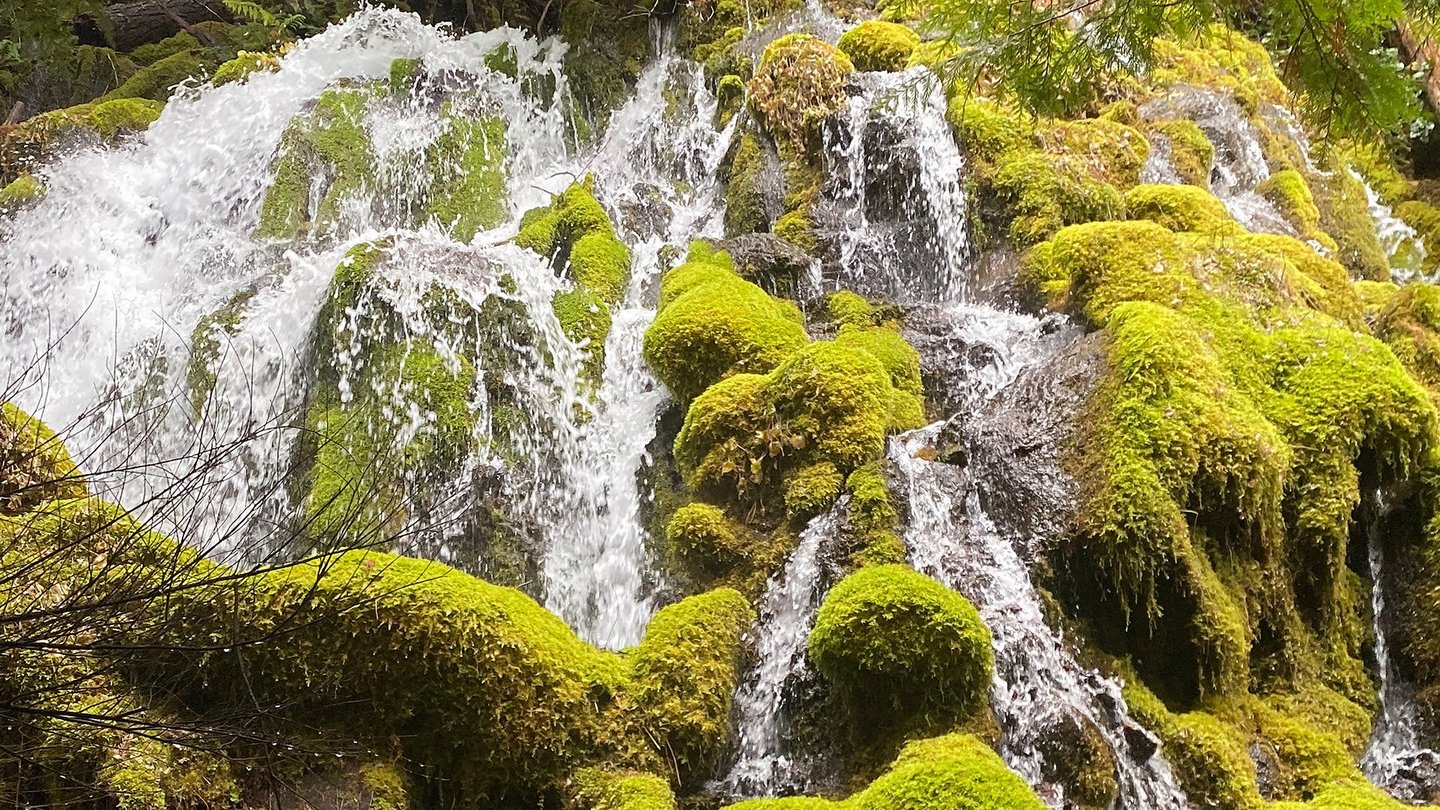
(800, 81)
(712, 323)
(1290, 194)
(35, 466)
(575, 231)
(206, 343)
(878, 45)
(156, 82)
(330, 142)
(744, 196)
(1345, 217)
(901, 643)
(468, 190)
(243, 66)
(601, 789)
(1191, 152)
(955, 772)
(25, 190)
(1179, 208)
(25, 147)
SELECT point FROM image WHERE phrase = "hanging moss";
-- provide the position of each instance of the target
(35, 467)
(1409, 322)
(1223, 443)
(712, 323)
(877, 45)
(800, 81)
(955, 772)
(902, 644)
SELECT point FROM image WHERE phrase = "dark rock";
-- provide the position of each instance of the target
(645, 214)
(779, 267)
(1140, 742)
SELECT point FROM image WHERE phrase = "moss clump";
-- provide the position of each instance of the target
(901, 362)
(900, 642)
(1209, 759)
(873, 518)
(1101, 150)
(597, 789)
(330, 142)
(1223, 443)
(1290, 194)
(729, 95)
(800, 81)
(812, 490)
(575, 231)
(467, 186)
(158, 81)
(206, 345)
(1409, 322)
(717, 548)
(877, 45)
(1042, 198)
(243, 66)
(24, 147)
(23, 191)
(35, 467)
(955, 772)
(477, 681)
(712, 323)
(1191, 152)
(1179, 208)
(1220, 58)
(848, 309)
(744, 196)
(586, 320)
(1345, 217)
(1375, 296)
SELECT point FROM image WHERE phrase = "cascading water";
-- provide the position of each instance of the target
(1403, 246)
(1040, 693)
(643, 164)
(895, 198)
(1394, 757)
(787, 612)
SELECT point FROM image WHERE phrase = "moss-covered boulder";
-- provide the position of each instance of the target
(1191, 152)
(1179, 208)
(35, 467)
(329, 142)
(467, 175)
(800, 81)
(956, 772)
(24, 148)
(899, 643)
(712, 324)
(879, 45)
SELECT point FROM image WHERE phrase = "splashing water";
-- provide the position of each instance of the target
(1039, 689)
(1402, 245)
(787, 613)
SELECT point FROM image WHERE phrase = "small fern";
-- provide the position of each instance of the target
(253, 12)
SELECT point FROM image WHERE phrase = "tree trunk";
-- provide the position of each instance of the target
(129, 25)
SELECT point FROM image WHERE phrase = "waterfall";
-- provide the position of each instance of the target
(1039, 689)
(899, 211)
(787, 613)
(1403, 246)
(1394, 757)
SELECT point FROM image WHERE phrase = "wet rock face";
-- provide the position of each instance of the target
(1417, 778)
(779, 267)
(1020, 438)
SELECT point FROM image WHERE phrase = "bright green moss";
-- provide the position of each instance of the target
(35, 467)
(812, 490)
(988, 128)
(1179, 208)
(901, 362)
(487, 688)
(1290, 194)
(796, 228)
(955, 772)
(877, 45)
(744, 196)
(873, 518)
(1191, 152)
(848, 309)
(1223, 59)
(1409, 322)
(575, 231)
(468, 181)
(1096, 149)
(243, 66)
(902, 643)
(1425, 219)
(1345, 217)
(1355, 796)
(1322, 284)
(1208, 757)
(1042, 198)
(800, 81)
(704, 535)
(712, 323)
(23, 191)
(729, 95)
(25, 147)
(596, 789)
(403, 75)
(585, 318)
(157, 81)
(328, 141)
(1375, 296)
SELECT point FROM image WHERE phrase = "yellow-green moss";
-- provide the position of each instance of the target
(206, 344)
(800, 81)
(330, 141)
(1345, 217)
(23, 191)
(955, 772)
(157, 81)
(1409, 322)
(712, 323)
(744, 197)
(729, 95)
(243, 66)
(1191, 152)
(597, 789)
(467, 171)
(35, 467)
(812, 490)
(586, 320)
(25, 147)
(1290, 194)
(873, 518)
(576, 232)
(901, 643)
(877, 45)
(1179, 208)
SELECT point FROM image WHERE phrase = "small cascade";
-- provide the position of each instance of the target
(1402, 245)
(659, 172)
(1394, 758)
(895, 201)
(1043, 699)
(787, 613)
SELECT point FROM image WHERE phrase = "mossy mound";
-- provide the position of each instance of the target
(1408, 321)
(329, 142)
(1223, 59)
(207, 344)
(955, 772)
(1289, 193)
(878, 45)
(467, 176)
(1179, 208)
(712, 324)
(35, 467)
(20, 193)
(243, 66)
(25, 147)
(800, 81)
(598, 789)
(479, 681)
(902, 644)
(744, 197)
(1224, 442)
(1191, 152)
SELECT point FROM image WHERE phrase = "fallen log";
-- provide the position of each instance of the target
(126, 26)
